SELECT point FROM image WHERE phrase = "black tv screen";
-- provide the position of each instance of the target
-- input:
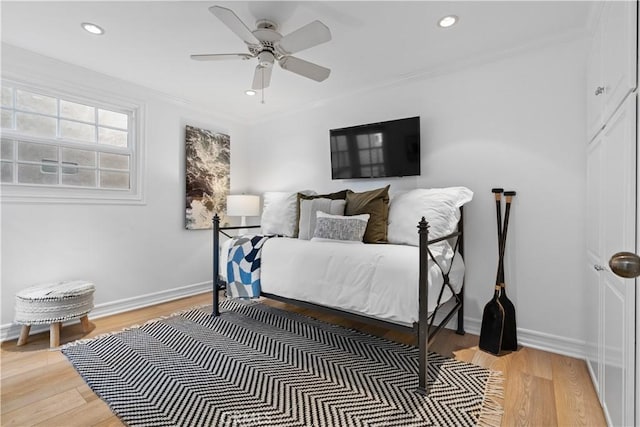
(376, 150)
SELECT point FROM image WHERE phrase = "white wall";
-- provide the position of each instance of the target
(135, 254)
(516, 123)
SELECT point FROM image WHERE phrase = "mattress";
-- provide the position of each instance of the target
(375, 280)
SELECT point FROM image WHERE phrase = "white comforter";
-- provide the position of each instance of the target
(379, 281)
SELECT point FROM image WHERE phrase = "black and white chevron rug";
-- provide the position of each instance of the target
(256, 365)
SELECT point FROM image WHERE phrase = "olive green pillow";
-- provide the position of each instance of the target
(376, 204)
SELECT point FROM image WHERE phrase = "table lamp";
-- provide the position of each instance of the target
(243, 205)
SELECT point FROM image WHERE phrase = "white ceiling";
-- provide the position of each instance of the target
(373, 43)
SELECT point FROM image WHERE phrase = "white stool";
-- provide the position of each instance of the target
(53, 303)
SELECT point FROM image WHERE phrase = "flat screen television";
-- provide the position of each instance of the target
(376, 150)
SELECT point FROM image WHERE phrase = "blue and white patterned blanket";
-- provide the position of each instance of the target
(243, 266)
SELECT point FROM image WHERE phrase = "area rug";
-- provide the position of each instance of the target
(256, 365)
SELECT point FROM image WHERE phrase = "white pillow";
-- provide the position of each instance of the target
(338, 227)
(280, 212)
(308, 209)
(439, 206)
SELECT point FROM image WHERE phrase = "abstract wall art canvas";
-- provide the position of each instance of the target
(208, 156)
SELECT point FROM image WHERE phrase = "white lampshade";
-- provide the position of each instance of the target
(243, 205)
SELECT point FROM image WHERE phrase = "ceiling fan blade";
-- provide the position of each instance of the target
(305, 37)
(221, 56)
(231, 20)
(305, 68)
(261, 78)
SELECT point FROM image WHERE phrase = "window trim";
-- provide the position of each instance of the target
(35, 193)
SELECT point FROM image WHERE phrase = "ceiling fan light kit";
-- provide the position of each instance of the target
(267, 45)
(265, 59)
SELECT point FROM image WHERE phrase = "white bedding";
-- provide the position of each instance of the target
(376, 280)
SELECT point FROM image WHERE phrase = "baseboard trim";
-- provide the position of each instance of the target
(539, 340)
(11, 331)
(594, 380)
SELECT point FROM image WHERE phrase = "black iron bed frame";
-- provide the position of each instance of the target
(424, 328)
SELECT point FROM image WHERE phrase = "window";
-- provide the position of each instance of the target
(64, 146)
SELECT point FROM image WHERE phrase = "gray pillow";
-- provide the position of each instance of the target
(338, 227)
(308, 209)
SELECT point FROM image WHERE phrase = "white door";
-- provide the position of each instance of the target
(619, 38)
(618, 221)
(595, 157)
(611, 68)
(595, 85)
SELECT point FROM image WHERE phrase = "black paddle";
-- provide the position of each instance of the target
(492, 326)
(498, 195)
(509, 334)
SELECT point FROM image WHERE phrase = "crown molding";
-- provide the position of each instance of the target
(433, 72)
(20, 64)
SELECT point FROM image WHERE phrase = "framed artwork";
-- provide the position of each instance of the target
(208, 157)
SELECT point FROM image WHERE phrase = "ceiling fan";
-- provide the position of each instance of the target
(269, 46)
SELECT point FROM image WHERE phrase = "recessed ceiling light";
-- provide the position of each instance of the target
(447, 21)
(250, 92)
(92, 28)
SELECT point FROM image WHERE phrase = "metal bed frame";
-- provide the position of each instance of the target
(424, 329)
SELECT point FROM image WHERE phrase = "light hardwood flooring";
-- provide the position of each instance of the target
(39, 387)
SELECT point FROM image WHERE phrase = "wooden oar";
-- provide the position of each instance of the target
(498, 195)
(491, 329)
(509, 334)
(492, 324)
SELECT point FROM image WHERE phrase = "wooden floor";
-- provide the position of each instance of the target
(40, 387)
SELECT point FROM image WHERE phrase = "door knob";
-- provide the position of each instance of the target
(625, 264)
